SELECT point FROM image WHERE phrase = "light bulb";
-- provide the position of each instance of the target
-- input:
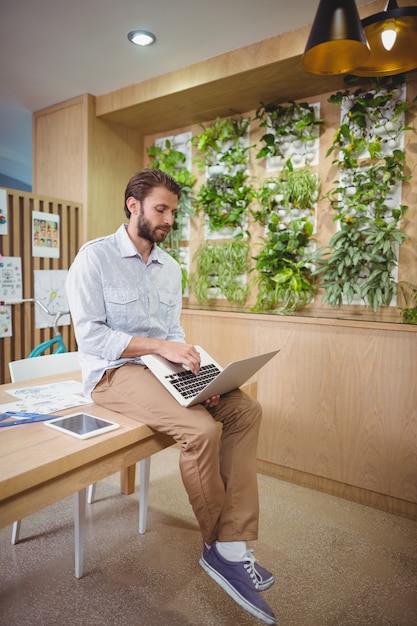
(141, 37)
(389, 35)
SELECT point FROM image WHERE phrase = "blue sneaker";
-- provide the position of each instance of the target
(240, 580)
(265, 578)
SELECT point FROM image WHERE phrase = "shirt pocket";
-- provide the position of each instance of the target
(122, 306)
(167, 308)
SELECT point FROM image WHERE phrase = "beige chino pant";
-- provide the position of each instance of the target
(218, 471)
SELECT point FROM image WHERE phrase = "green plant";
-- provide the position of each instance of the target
(373, 118)
(284, 275)
(173, 162)
(359, 262)
(225, 199)
(227, 193)
(295, 121)
(269, 196)
(409, 312)
(293, 191)
(222, 143)
(221, 270)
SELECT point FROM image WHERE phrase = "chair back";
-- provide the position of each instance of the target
(45, 365)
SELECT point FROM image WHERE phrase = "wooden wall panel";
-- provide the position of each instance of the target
(18, 243)
(114, 155)
(59, 150)
(85, 159)
(339, 400)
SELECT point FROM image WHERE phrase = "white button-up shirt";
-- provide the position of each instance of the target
(113, 296)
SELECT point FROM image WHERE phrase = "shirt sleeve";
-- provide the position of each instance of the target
(84, 287)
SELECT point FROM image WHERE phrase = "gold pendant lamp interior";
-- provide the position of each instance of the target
(337, 42)
(392, 38)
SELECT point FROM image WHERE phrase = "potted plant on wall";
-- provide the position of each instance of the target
(172, 161)
(284, 278)
(292, 131)
(409, 311)
(359, 263)
(283, 267)
(221, 272)
(225, 200)
(226, 195)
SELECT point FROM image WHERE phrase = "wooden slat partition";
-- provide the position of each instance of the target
(18, 243)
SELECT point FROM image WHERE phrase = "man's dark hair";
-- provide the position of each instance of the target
(141, 184)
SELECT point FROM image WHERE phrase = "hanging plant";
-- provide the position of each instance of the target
(225, 200)
(409, 312)
(221, 272)
(173, 162)
(227, 193)
(270, 197)
(223, 143)
(295, 122)
(294, 193)
(359, 263)
(372, 122)
(284, 274)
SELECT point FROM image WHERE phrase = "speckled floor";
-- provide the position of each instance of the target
(336, 563)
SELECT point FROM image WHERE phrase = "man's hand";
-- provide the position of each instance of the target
(183, 353)
(211, 402)
(175, 351)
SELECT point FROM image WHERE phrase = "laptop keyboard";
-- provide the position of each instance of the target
(188, 384)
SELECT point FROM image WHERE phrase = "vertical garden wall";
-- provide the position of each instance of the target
(304, 208)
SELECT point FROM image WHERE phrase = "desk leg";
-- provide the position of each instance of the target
(144, 473)
(79, 531)
(127, 479)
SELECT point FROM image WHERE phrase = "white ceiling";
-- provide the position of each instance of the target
(51, 50)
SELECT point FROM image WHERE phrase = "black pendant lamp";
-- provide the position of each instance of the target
(337, 43)
(392, 38)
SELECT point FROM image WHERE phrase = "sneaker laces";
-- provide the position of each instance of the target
(249, 565)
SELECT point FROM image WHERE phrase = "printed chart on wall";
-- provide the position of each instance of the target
(10, 278)
(10, 290)
(45, 235)
(5, 321)
(50, 290)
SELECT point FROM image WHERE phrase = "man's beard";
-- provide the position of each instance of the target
(145, 230)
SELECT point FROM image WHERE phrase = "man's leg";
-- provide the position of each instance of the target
(135, 392)
(240, 417)
(209, 468)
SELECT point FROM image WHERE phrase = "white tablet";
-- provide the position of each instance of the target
(82, 425)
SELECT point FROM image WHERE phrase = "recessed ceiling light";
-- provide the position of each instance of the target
(141, 37)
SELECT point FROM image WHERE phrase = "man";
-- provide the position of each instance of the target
(125, 300)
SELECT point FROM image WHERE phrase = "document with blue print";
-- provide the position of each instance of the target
(48, 398)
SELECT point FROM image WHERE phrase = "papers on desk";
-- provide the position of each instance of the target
(48, 398)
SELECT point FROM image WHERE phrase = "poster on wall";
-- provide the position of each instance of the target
(3, 212)
(5, 321)
(45, 235)
(10, 278)
(50, 290)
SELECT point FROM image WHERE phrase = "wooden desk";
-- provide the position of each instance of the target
(39, 466)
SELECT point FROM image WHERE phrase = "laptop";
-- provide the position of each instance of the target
(189, 389)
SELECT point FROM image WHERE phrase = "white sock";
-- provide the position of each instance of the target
(231, 550)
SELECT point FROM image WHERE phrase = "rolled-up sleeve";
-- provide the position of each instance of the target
(114, 296)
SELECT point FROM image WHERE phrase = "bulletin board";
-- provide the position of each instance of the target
(22, 215)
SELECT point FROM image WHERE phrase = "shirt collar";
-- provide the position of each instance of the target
(127, 247)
